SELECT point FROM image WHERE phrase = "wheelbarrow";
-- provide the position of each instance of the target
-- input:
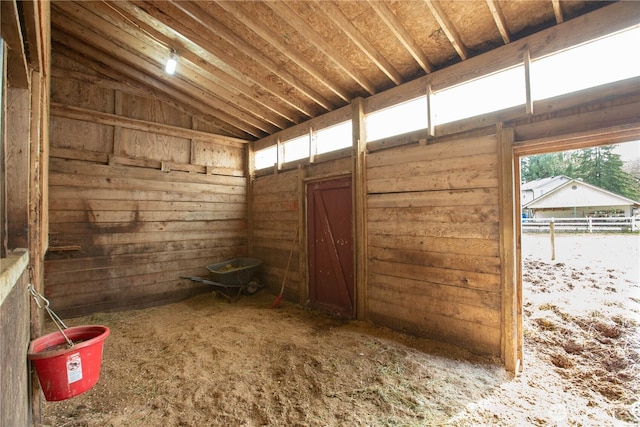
(232, 277)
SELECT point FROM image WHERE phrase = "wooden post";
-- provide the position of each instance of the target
(360, 206)
(552, 233)
(303, 265)
(511, 302)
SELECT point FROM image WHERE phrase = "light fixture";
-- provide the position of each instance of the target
(172, 63)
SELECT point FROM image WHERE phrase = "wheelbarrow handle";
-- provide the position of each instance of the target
(218, 284)
(200, 279)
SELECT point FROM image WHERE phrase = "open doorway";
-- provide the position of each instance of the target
(580, 277)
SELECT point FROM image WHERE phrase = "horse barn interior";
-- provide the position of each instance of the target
(119, 179)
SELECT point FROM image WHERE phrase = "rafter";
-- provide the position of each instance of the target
(207, 76)
(403, 36)
(129, 38)
(240, 66)
(335, 13)
(557, 11)
(267, 34)
(448, 28)
(498, 17)
(332, 54)
(201, 13)
(214, 68)
(109, 78)
(94, 46)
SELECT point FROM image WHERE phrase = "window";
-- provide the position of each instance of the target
(334, 138)
(266, 158)
(398, 119)
(489, 93)
(295, 149)
(599, 62)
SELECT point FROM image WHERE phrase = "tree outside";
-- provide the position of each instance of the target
(599, 166)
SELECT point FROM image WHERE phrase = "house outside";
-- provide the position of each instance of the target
(564, 197)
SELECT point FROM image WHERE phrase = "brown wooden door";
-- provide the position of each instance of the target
(330, 239)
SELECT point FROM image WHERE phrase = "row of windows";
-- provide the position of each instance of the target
(557, 74)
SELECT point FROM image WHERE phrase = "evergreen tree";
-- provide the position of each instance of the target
(601, 167)
(544, 166)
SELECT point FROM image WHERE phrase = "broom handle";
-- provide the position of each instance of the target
(293, 246)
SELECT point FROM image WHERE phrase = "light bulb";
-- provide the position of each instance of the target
(170, 68)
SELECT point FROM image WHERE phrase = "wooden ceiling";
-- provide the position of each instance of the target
(252, 68)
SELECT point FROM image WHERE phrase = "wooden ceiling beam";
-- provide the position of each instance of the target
(261, 59)
(288, 76)
(200, 40)
(448, 28)
(311, 36)
(276, 41)
(122, 44)
(334, 13)
(498, 17)
(108, 78)
(77, 113)
(101, 50)
(222, 84)
(68, 46)
(403, 36)
(557, 11)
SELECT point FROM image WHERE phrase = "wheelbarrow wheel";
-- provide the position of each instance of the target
(252, 287)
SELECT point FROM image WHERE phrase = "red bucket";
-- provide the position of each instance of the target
(64, 371)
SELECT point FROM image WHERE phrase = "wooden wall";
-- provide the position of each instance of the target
(24, 118)
(275, 218)
(138, 197)
(277, 213)
(433, 241)
(14, 336)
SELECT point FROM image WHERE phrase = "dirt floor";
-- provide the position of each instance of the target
(205, 362)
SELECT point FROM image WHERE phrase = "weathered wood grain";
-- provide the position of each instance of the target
(433, 226)
(140, 198)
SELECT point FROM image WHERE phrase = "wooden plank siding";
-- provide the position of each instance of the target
(277, 211)
(138, 198)
(14, 336)
(275, 216)
(434, 265)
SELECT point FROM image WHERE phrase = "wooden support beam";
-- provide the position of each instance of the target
(279, 43)
(17, 68)
(448, 28)
(498, 17)
(225, 121)
(77, 113)
(32, 22)
(527, 82)
(509, 341)
(359, 179)
(557, 11)
(577, 140)
(146, 65)
(301, 230)
(334, 13)
(197, 44)
(121, 82)
(401, 34)
(312, 37)
(17, 139)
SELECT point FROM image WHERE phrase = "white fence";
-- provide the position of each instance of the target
(589, 225)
